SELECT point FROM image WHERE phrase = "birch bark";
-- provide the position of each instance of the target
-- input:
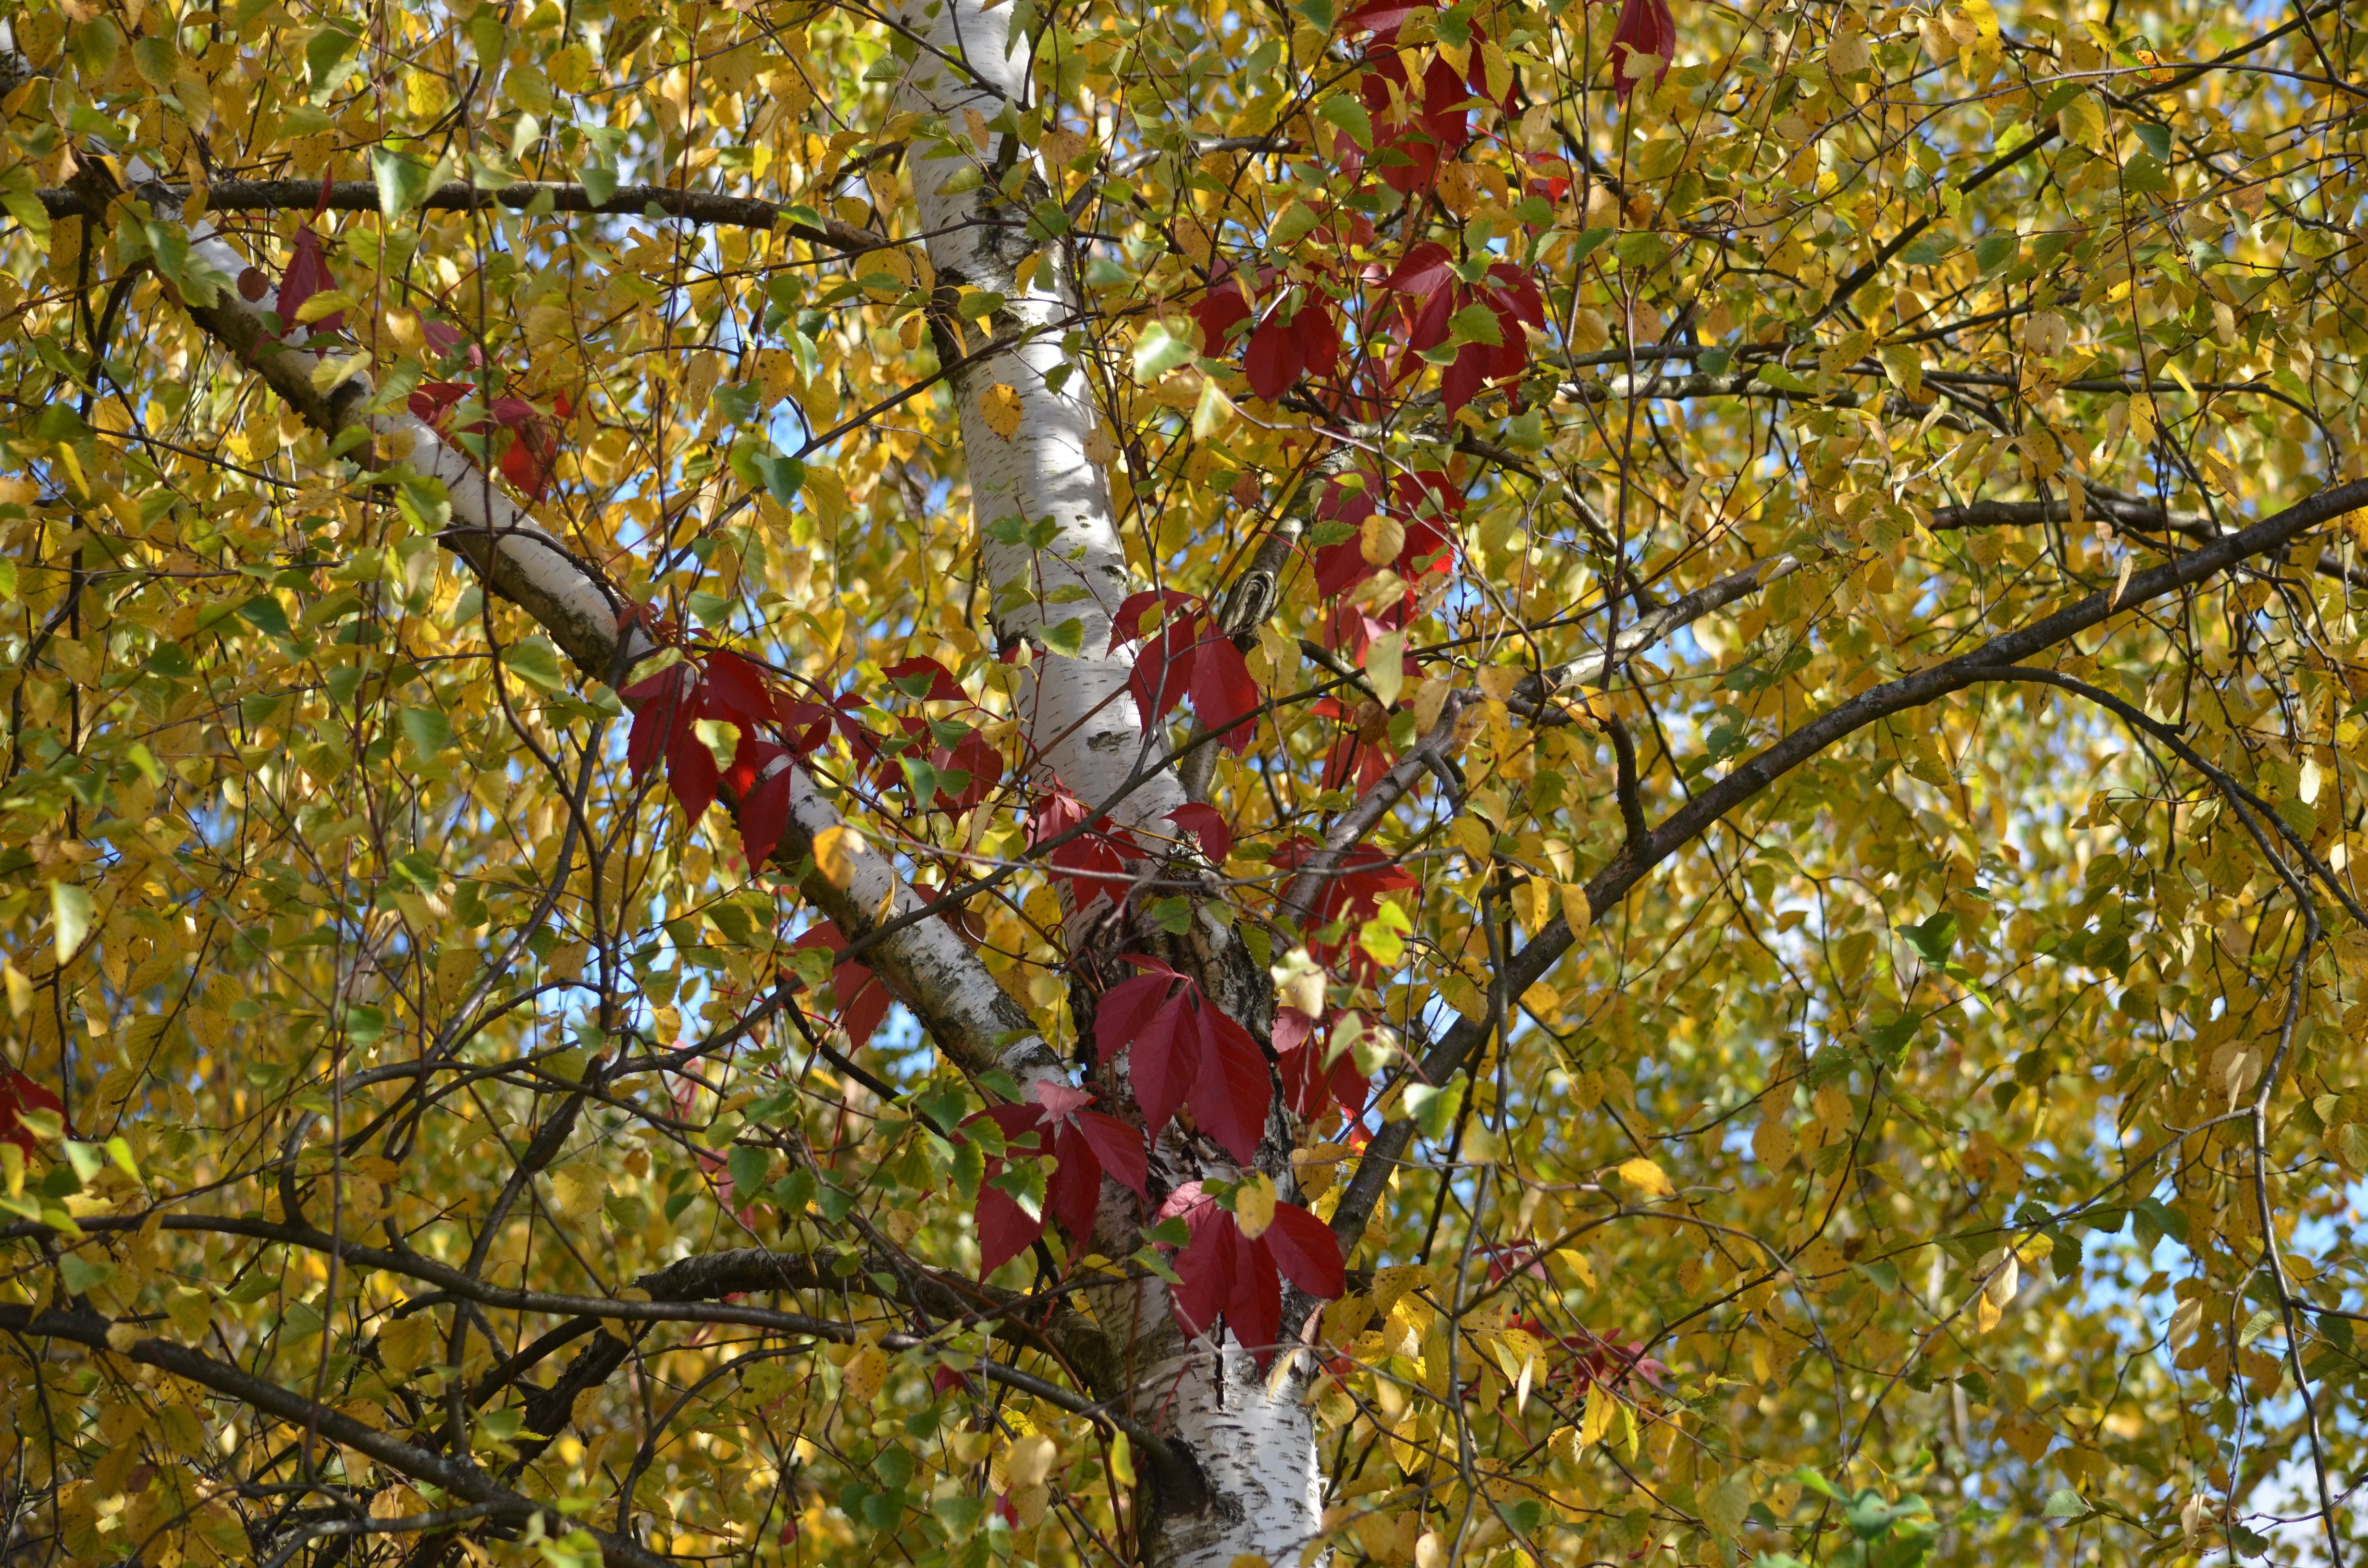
(1249, 1435)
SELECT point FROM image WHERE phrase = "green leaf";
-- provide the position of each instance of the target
(2066, 1504)
(326, 57)
(535, 661)
(747, 1164)
(1067, 637)
(2156, 139)
(1932, 937)
(1161, 348)
(1348, 115)
(427, 728)
(1475, 323)
(81, 1274)
(1434, 1110)
(402, 184)
(265, 614)
(1994, 250)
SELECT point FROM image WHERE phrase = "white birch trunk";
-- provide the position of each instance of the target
(1255, 1453)
(1083, 725)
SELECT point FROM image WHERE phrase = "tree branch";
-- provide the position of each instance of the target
(362, 196)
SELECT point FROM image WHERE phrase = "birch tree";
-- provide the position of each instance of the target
(984, 782)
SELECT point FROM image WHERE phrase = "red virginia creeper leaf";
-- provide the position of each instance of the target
(1208, 825)
(1306, 1251)
(1233, 1089)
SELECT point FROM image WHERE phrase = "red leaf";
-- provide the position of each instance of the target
(1644, 27)
(1004, 1231)
(1222, 690)
(1126, 626)
(1306, 1251)
(663, 704)
(1163, 671)
(1208, 825)
(975, 755)
(307, 275)
(1429, 319)
(862, 997)
(1427, 269)
(1463, 378)
(939, 686)
(1217, 311)
(1205, 1267)
(1233, 1089)
(1443, 96)
(1125, 1008)
(736, 689)
(431, 399)
(1254, 1310)
(19, 1094)
(1165, 1060)
(1274, 360)
(692, 773)
(442, 337)
(764, 812)
(1319, 338)
(1074, 1190)
(533, 453)
(1119, 1148)
(1349, 1086)
(1516, 298)
(1383, 17)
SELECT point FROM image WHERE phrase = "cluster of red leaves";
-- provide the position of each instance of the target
(1295, 333)
(667, 707)
(1093, 864)
(1183, 1050)
(1208, 825)
(1423, 501)
(1308, 1080)
(1187, 654)
(1085, 1145)
(19, 1094)
(862, 997)
(1226, 1274)
(721, 685)
(1432, 293)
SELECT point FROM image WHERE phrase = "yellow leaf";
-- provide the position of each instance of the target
(122, 1336)
(837, 849)
(999, 406)
(1380, 538)
(1029, 1463)
(1601, 1408)
(2082, 121)
(1648, 1179)
(1254, 1206)
(1577, 1263)
(866, 1370)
